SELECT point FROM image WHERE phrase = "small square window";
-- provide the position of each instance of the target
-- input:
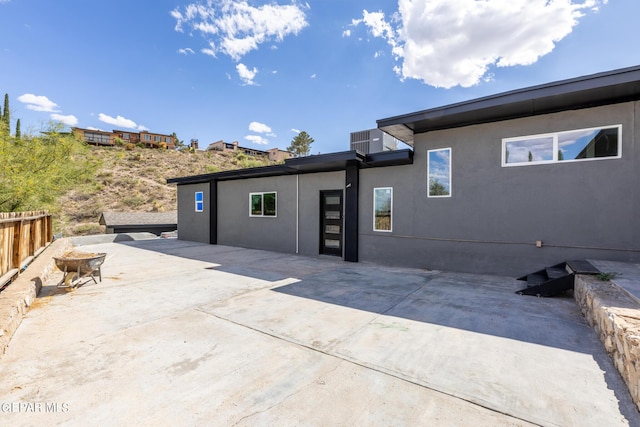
(199, 201)
(263, 204)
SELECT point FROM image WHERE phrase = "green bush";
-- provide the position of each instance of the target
(133, 201)
(37, 169)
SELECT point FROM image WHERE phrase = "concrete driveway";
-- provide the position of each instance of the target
(182, 333)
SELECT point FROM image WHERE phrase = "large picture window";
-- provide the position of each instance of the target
(382, 209)
(263, 204)
(574, 145)
(439, 172)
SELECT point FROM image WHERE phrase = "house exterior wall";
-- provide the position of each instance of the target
(192, 225)
(237, 228)
(94, 137)
(302, 192)
(276, 155)
(225, 146)
(309, 216)
(581, 209)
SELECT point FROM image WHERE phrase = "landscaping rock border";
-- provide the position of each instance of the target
(615, 317)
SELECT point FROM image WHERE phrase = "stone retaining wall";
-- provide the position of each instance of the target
(16, 299)
(615, 316)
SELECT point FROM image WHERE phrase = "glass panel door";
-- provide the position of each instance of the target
(331, 224)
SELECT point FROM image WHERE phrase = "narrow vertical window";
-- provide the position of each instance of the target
(256, 205)
(382, 208)
(269, 200)
(439, 172)
(199, 201)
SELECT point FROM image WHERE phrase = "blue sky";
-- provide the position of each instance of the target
(258, 72)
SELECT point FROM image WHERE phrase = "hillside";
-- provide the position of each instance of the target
(135, 181)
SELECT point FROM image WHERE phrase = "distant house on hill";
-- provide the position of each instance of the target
(273, 154)
(149, 139)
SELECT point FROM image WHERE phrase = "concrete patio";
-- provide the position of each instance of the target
(182, 333)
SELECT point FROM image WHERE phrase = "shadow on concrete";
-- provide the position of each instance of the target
(476, 303)
(473, 302)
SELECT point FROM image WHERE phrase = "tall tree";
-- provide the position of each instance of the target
(301, 144)
(178, 142)
(6, 116)
(18, 133)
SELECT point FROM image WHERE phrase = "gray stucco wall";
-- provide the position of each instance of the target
(586, 209)
(192, 225)
(237, 228)
(309, 217)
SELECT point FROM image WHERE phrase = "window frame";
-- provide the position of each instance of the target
(390, 230)
(199, 204)
(556, 146)
(262, 204)
(438, 196)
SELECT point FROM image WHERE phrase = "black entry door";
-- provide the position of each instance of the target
(331, 222)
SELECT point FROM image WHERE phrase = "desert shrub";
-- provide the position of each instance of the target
(136, 157)
(88, 229)
(37, 169)
(133, 201)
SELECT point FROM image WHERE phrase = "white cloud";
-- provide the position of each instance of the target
(313, 76)
(234, 27)
(38, 103)
(141, 128)
(446, 43)
(119, 121)
(256, 139)
(94, 128)
(346, 33)
(186, 51)
(294, 130)
(69, 120)
(246, 75)
(259, 127)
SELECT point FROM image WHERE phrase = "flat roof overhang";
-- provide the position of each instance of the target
(583, 92)
(309, 164)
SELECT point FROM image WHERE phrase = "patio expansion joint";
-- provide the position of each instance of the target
(298, 391)
(368, 366)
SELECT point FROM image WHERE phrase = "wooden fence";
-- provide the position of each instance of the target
(22, 236)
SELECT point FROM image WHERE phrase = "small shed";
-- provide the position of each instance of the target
(135, 222)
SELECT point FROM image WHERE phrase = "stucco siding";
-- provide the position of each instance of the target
(237, 228)
(192, 225)
(310, 186)
(496, 214)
